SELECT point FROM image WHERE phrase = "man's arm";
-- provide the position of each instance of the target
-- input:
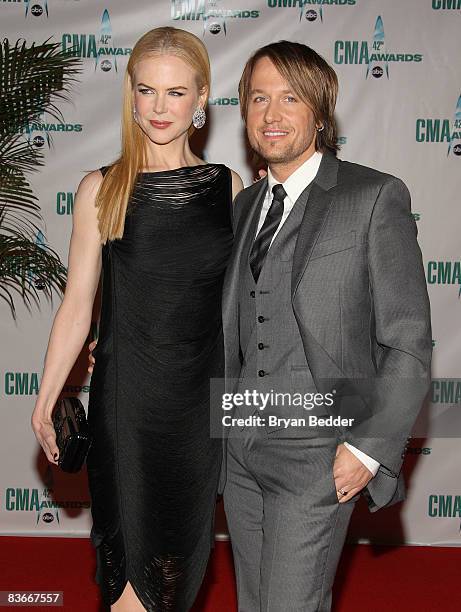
(402, 329)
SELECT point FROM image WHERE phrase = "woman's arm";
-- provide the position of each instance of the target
(73, 318)
(237, 184)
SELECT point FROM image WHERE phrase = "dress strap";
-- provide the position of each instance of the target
(104, 169)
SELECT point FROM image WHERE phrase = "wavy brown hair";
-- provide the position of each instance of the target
(118, 183)
(310, 76)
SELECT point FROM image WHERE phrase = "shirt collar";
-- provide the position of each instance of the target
(299, 179)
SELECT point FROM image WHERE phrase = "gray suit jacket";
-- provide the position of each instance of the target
(359, 296)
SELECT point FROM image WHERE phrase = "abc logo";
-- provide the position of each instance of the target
(36, 10)
(214, 28)
(47, 517)
(106, 65)
(39, 141)
(39, 284)
(457, 149)
(311, 15)
(377, 72)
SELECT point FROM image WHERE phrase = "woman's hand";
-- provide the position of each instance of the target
(262, 173)
(45, 434)
(91, 359)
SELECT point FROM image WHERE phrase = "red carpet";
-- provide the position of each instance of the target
(370, 579)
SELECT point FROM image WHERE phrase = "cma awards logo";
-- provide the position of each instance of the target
(444, 506)
(456, 131)
(442, 130)
(311, 10)
(445, 273)
(105, 43)
(42, 502)
(446, 5)
(46, 129)
(210, 12)
(378, 45)
(100, 47)
(31, 499)
(375, 55)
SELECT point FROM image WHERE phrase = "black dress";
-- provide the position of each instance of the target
(153, 468)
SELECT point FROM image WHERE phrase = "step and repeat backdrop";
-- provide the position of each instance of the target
(399, 110)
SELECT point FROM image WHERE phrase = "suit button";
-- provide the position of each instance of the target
(261, 373)
(252, 294)
(260, 346)
(261, 319)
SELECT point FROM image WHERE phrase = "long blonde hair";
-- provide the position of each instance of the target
(118, 183)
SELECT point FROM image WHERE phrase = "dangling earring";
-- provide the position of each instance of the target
(135, 118)
(198, 118)
(321, 128)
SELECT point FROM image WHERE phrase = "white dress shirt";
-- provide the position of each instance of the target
(295, 184)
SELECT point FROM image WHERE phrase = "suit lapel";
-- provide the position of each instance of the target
(315, 214)
(242, 230)
(246, 224)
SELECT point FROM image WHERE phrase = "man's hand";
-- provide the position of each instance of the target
(91, 359)
(349, 473)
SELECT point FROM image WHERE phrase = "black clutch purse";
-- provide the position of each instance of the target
(72, 433)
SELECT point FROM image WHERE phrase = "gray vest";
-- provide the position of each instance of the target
(270, 342)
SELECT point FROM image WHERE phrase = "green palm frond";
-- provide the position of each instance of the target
(33, 80)
(18, 154)
(17, 202)
(27, 268)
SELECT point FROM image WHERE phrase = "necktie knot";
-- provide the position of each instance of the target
(279, 192)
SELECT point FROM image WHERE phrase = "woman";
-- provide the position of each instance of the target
(162, 216)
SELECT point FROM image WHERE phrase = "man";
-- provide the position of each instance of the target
(325, 292)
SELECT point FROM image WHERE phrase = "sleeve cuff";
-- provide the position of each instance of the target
(367, 461)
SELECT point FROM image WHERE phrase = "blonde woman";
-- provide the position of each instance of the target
(158, 223)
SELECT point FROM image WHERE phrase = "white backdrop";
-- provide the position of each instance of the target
(399, 110)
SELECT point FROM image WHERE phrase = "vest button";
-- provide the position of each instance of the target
(260, 346)
(261, 319)
(261, 373)
(252, 294)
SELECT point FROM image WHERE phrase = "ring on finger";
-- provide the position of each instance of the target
(342, 492)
